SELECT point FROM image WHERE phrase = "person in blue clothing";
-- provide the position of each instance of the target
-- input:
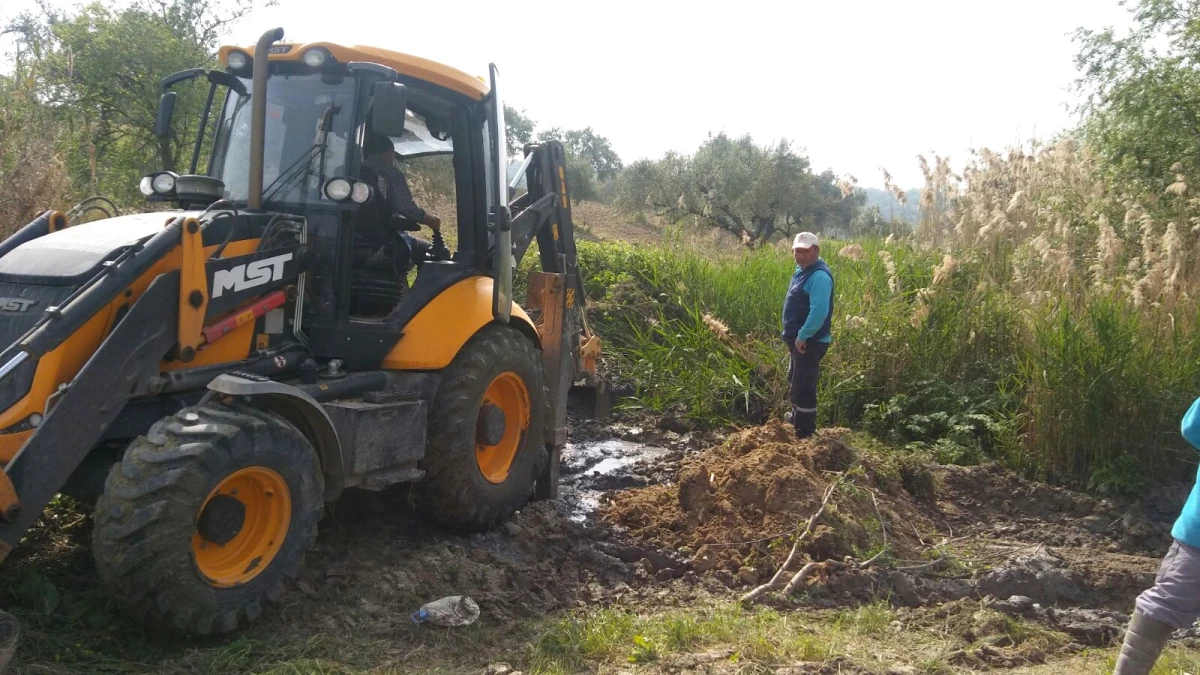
(807, 316)
(1174, 600)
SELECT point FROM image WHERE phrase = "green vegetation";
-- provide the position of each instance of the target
(762, 637)
(82, 92)
(952, 353)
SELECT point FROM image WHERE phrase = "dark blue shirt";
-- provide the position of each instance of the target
(394, 189)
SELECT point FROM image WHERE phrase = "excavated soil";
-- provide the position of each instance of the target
(736, 507)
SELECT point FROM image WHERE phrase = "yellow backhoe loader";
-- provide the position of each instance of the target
(209, 376)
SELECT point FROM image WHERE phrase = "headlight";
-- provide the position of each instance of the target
(146, 187)
(163, 183)
(338, 189)
(360, 193)
(238, 60)
(316, 57)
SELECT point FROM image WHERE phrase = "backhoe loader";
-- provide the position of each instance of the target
(211, 375)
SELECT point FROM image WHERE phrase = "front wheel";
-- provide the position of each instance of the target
(485, 449)
(207, 516)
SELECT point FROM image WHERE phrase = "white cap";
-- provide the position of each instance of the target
(805, 240)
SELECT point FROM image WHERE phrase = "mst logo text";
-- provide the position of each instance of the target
(16, 304)
(249, 275)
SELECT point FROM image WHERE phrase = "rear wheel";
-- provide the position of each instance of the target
(207, 516)
(485, 449)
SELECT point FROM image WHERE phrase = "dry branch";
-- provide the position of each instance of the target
(778, 576)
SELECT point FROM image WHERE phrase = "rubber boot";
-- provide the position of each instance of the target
(10, 630)
(1144, 641)
(804, 422)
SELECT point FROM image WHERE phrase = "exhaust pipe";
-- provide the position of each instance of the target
(258, 115)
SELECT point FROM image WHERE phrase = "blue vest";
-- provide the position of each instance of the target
(803, 301)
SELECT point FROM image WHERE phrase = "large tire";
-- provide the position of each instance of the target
(455, 492)
(157, 519)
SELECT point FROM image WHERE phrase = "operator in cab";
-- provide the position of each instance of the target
(394, 196)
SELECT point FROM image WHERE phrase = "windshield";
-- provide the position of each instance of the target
(309, 123)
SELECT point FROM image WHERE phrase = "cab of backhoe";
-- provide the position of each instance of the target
(322, 102)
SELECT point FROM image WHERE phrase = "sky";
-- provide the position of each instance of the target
(856, 85)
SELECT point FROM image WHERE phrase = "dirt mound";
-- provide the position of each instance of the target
(735, 508)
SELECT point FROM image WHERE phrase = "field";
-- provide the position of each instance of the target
(691, 497)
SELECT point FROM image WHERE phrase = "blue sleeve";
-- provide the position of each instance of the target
(820, 287)
(1190, 426)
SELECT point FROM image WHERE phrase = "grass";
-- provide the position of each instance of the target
(762, 637)
(1177, 662)
(869, 619)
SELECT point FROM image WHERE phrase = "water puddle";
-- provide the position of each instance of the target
(591, 468)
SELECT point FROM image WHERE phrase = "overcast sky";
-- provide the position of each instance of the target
(858, 85)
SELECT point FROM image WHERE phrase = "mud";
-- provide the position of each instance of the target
(655, 512)
(550, 556)
(651, 516)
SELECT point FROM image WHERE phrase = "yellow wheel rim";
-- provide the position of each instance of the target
(508, 393)
(229, 552)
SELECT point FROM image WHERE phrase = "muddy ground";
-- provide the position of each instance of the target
(655, 515)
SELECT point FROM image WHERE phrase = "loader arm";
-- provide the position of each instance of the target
(569, 348)
(121, 369)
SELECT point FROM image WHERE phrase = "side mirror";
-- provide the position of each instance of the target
(387, 113)
(166, 108)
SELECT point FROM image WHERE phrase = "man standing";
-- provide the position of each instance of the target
(807, 316)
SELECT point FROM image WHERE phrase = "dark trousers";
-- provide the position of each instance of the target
(410, 251)
(803, 373)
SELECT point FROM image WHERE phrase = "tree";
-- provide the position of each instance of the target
(518, 129)
(589, 146)
(581, 178)
(753, 192)
(101, 70)
(1139, 112)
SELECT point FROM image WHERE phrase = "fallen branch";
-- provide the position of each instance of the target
(883, 525)
(774, 582)
(810, 568)
(800, 577)
(918, 533)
